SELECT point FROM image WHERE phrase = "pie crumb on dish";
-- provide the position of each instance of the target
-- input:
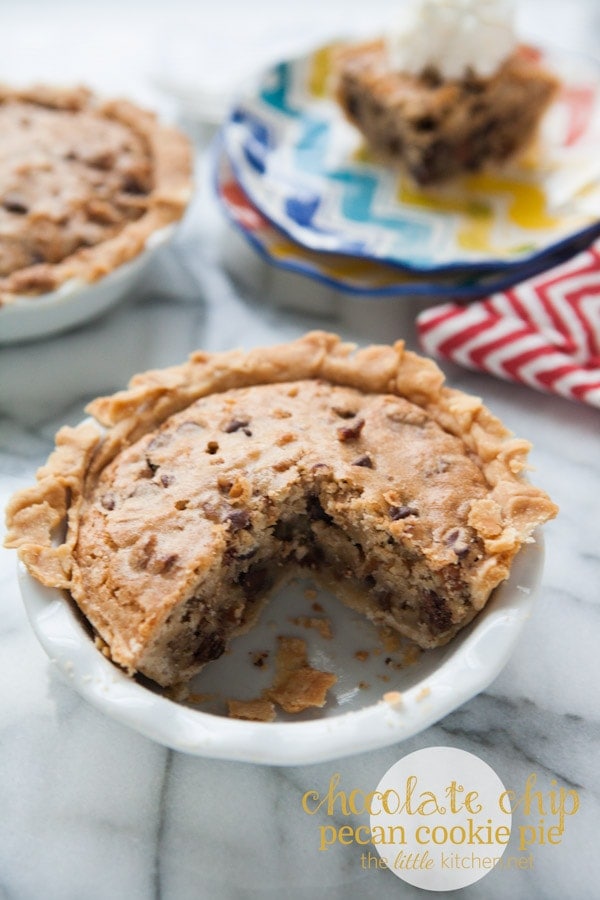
(296, 687)
(259, 710)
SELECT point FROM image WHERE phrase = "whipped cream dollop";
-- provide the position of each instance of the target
(454, 36)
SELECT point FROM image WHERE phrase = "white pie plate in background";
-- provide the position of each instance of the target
(356, 717)
(76, 301)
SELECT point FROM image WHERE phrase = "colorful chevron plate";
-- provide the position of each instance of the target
(352, 275)
(306, 169)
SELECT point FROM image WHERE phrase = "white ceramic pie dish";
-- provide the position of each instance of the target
(76, 301)
(357, 717)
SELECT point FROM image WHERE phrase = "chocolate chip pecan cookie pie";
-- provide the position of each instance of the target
(209, 483)
(83, 184)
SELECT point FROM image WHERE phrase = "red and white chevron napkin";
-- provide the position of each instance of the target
(544, 332)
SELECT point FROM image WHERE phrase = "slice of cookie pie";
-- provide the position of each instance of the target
(436, 129)
(205, 485)
(452, 91)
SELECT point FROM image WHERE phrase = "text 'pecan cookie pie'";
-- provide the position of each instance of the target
(215, 480)
(83, 184)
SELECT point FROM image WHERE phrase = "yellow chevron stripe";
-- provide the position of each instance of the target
(340, 266)
(528, 205)
(474, 232)
(321, 67)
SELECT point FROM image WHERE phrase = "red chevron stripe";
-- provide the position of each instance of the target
(553, 314)
(548, 377)
(585, 263)
(572, 299)
(592, 336)
(544, 380)
(580, 103)
(434, 321)
(247, 214)
(478, 354)
(455, 341)
(521, 310)
(580, 390)
(515, 363)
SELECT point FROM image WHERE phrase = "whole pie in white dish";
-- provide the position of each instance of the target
(201, 487)
(84, 183)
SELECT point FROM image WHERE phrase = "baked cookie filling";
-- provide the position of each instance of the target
(83, 183)
(214, 481)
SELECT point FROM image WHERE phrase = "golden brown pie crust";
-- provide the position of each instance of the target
(84, 182)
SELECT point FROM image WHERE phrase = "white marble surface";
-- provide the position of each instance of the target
(91, 809)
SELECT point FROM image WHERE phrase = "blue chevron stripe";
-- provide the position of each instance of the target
(310, 150)
(275, 93)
